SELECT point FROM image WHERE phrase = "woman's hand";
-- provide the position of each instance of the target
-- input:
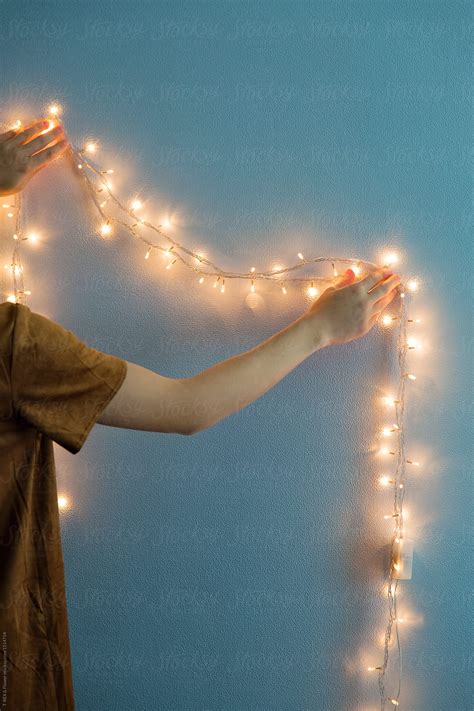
(23, 152)
(349, 309)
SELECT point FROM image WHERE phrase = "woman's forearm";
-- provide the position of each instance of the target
(233, 383)
(153, 402)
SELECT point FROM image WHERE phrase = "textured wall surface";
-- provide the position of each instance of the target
(242, 568)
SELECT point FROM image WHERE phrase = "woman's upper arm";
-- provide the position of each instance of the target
(149, 401)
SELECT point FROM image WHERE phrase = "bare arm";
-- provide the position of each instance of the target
(150, 401)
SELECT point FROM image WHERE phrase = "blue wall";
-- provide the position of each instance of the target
(242, 569)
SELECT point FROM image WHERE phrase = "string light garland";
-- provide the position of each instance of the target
(127, 217)
(99, 187)
(397, 482)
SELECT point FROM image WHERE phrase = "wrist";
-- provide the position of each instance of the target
(317, 327)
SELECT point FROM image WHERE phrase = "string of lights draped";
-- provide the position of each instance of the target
(98, 184)
(126, 216)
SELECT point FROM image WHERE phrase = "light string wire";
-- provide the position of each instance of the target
(87, 169)
(399, 488)
(96, 182)
(16, 266)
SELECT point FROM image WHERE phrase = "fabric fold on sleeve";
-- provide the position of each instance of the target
(60, 385)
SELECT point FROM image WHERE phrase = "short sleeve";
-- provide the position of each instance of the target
(59, 384)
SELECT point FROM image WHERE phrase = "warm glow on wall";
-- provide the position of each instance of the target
(116, 215)
(63, 502)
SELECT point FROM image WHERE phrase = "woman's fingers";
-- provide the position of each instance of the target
(26, 134)
(8, 135)
(379, 306)
(345, 279)
(373, 278)
(384, 287)
(48, 154)
(42, 140)
(384, 301)
(372, 320)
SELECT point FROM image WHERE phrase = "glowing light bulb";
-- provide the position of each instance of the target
(11, 298)
(413, 285)
(283, 289)
(79, 165)
(168, 266)
(387, 320)
(356, 269)
(136, 205)
(385, 450)
(63, 502)
(55, 109)
(166, 223)
(410, 376)
(109, 171)
(300, 256)
(252, 287)
(415, 464)
(385, 481)
(390, 400)
(413, 344)
(223, 286)
(91, 147)
(396, 566)
(373, 668)
(388, 431)
(16, 268)
(16, 124)
(252, 269)
(105, 229)
(32, 237)
(147, 255)
(312, 291)
(201, 280)
(387, 516)
(389, 259)
(394, 702)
